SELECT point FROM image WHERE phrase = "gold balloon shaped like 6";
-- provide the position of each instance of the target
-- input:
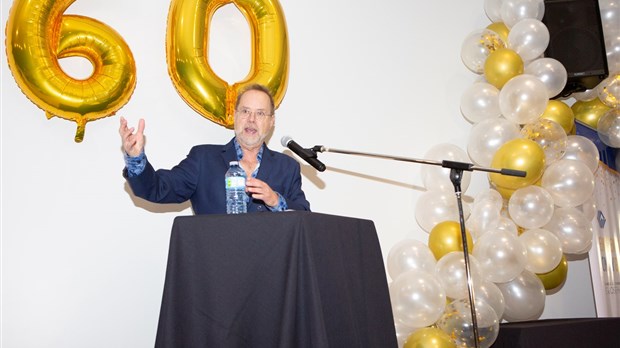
(38, 34)
(187, 55)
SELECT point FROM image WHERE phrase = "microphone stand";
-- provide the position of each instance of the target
(456, 175)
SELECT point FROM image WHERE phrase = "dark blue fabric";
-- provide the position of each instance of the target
(200, 179)
(292, 280)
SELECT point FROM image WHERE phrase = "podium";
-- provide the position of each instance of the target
(290, 279)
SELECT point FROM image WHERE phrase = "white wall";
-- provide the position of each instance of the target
(83, 261)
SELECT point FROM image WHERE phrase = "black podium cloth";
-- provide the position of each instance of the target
(291, 279)
(560, 333)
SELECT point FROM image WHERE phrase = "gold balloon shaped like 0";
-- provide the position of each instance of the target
(446, 237)
(589, 112)
(556, 276)
(187, 55)
(560, 113)
(38, 35)
(518, 154)
(501, 29)
(502, 65)
(429, 337)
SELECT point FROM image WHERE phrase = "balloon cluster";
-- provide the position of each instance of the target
(520, 230)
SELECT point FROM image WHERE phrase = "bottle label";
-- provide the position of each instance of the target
(235, 182)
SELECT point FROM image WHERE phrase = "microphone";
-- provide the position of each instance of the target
(307, 155)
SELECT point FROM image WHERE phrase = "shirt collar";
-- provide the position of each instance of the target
(259, 156)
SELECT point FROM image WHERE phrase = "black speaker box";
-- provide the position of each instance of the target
(576, 40)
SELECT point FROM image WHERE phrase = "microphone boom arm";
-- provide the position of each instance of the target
(446, 164)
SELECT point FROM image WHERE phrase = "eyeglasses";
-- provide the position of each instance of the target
(259, 114)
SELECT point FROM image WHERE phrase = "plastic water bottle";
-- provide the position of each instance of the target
(235, 189)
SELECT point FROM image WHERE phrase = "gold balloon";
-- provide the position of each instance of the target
(555, 277)
(560, 113)
(187, 56)
(429, 337)
(589, 112)
(502, 65)
(519, 154)
(38, 34)
(446, 237)
(501, 29)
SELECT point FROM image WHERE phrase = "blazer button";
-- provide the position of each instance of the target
(260, 207)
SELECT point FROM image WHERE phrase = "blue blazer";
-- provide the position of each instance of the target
(200, 178)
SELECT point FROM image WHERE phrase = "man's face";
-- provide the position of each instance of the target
(250, 128)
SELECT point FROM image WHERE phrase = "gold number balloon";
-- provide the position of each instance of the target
(38, 34)
(187, 55)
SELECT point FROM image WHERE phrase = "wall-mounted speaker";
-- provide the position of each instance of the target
(576, 40)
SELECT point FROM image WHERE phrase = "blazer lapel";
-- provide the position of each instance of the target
(229, 153)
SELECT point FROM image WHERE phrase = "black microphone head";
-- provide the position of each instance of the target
(285, 140)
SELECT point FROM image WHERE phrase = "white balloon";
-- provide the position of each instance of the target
(551, 72)
(609, 90)
(492, 8)
(506, 225)
(418, 299)
(531, 207)
(489, 292)
(477, 46)
(524, 297)
(513, 11)
(612, 47)
(450, 270)
(457, 323)
(569, 182)
(501, 256)
(549, 135)
(438, 178)
(434, 207)
(480, 101)
(586, 95)
(523, 99)
(610, 16)
(483, 217)
(608, 128)
(544, 250)
(588, 208)
(572, 228)
(580, 148)
(529, 38)
(410, 254)
(489, 195)
(487, 136)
